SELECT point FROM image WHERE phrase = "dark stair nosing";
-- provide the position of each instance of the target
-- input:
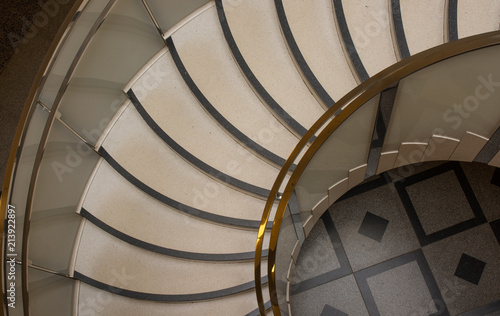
(294, 209)
(243, 256)
(397, 20)
(221, 120)
(452, 20)
(225, 220)
(356, 62)
(279, 112)
(175, 298)
(384, 112)
(312, 81)
(491, 149)
(247, 187)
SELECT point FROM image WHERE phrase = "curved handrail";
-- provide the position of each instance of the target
(43, 143)
(348, 105)
(28, 111)
(29, 107)
(20, 134)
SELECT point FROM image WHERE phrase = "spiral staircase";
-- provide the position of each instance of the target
(154, 139)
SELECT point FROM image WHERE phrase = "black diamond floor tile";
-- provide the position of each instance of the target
(330, 311)
(455, 272)
(373, 226)
(470, 269)
(496, 177)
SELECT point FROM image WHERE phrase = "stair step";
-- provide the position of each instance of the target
(314, 29)
(144, 155)
(101, 256)
(118, 203)
(204, 53)
(476, 17)
(423, 23)
(106, 65)
(370, 29)
(93, 301)
(256, 30)
(176, 111)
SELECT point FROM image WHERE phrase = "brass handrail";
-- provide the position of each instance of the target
(28, 110)
(20, 134)
(349, 104)
(43, 143)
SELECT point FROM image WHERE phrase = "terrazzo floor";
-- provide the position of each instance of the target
(418, 240)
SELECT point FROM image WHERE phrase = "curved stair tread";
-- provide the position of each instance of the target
(133, 145)
(423, 23)
(250, 142)
(357, 67)
(237, 166)
(173, 107)
(181, 254)
(188, 210)
(117, 203)
(370, 28)
(222, 176)
(476, 17)
(308, 76)
(100, 256)
(192, 297)
(209, 62)
(314, 29)
(114, 304)
(257, 34)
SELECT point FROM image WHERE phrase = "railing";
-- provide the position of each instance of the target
(61, 124)
(57, 136)
(33, 116)
(351, 120)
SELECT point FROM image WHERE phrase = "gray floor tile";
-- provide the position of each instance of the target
(444, 257)
(342, 294)
(439, 202)
(363, 251)
(402, 289)
(317, 255)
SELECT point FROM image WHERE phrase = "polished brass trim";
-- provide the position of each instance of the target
(39, 268)
(19, 136)
(352, 101)
(42, 145)
(20, 132)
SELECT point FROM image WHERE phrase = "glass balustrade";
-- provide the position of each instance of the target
(437, 106)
